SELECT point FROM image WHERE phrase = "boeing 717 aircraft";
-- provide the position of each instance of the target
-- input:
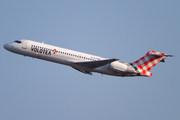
(87, 63)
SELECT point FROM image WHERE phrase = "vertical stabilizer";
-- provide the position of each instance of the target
(147, 62)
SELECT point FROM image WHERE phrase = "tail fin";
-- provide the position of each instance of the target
(147, 62)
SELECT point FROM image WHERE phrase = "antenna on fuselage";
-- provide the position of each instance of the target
(43, 42)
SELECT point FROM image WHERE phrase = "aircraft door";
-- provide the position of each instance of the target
(24, 44)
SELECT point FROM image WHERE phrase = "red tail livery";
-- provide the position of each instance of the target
(147, 62)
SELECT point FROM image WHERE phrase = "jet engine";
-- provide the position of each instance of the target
(121, 67)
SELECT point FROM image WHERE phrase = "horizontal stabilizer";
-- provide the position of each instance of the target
(158, 54)
(169, 55)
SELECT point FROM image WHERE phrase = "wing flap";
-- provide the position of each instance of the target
(83, 71)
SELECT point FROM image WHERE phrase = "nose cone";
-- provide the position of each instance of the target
(7, 46)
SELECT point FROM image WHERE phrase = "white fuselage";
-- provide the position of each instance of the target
(67, 57)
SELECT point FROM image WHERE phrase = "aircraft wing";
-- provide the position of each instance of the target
(95, 64)
(83, 71)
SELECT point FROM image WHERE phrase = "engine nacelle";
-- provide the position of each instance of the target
(118, 66)
(121, 67)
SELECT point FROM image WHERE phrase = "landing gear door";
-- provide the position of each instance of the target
(24, 44)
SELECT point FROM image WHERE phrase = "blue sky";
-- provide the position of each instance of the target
(127, 30)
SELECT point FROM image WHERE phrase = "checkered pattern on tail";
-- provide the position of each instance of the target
(144, 64)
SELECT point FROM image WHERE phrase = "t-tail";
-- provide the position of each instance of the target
(147, 62)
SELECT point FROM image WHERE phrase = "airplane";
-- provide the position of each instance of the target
(87, 63)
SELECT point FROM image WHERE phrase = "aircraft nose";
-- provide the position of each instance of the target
(7, 46)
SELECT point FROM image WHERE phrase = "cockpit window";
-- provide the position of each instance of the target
(17, 41)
